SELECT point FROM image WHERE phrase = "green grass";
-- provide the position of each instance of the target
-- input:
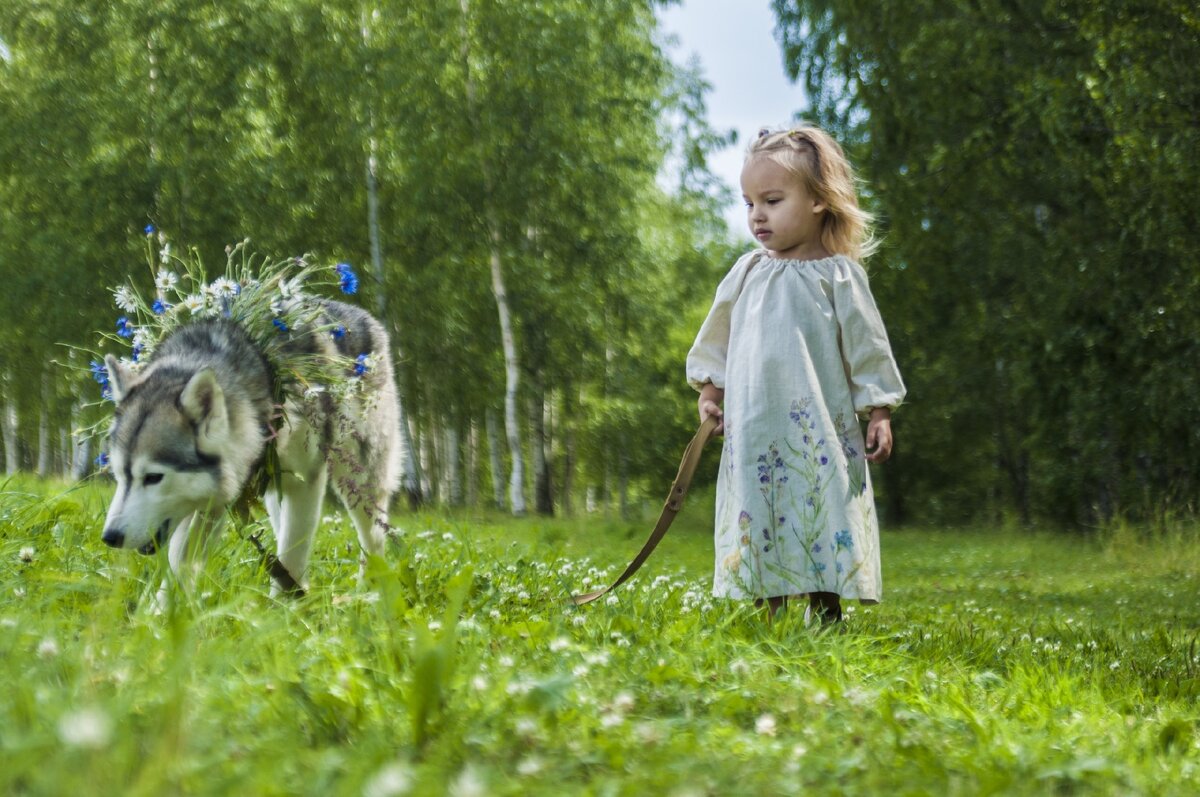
(1001, 662)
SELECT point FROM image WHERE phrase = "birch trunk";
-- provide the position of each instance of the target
(9, 421)
(451, 455)
(512, 370)
(473, 464)
(569, 455)
(45, 448)
(497, 466)
(81, 461)
(512, 381)
(543, 500)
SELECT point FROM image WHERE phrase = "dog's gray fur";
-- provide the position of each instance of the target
(191, 429)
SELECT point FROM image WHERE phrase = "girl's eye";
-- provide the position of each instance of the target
(151, 479)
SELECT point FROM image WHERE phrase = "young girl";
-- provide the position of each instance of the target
(794, 349)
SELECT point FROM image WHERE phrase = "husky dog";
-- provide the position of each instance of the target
(191, 431)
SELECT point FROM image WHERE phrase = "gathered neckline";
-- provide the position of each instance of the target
(766, 256)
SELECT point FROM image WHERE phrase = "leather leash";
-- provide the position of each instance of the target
(683, 480)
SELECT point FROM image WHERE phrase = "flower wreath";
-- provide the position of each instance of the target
(266, 299)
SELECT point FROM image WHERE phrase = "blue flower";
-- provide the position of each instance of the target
(348, 280)
(149, 229)
(279, 324)
(124, 328)
(844, 539)
(99, 372)
(817, 548)
(338, 332)
(824, 460)
(102, 460)
(137, 351)
(159, 307)
(362, 364)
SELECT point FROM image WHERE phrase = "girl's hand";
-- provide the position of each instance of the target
(879, 435)
(711, 397)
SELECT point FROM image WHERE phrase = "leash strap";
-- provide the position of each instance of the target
(683, 480)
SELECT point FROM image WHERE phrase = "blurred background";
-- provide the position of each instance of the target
(553, 166)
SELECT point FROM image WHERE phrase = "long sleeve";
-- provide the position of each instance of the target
(871, 369)
(706, 359)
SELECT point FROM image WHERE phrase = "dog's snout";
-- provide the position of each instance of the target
(113, 538)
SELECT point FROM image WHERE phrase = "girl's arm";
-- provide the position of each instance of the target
(711, 397)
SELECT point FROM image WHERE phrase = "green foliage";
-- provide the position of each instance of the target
(1040, 261)
(1001, 662)
(530, 131)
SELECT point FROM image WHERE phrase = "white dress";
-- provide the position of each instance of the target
(801, 351)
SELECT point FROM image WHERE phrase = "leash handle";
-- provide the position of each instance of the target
(674, 502)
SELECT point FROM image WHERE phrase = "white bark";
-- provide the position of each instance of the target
(512, 381)
(473, 464)
(454, 486)
(9, 421)
(512, 370)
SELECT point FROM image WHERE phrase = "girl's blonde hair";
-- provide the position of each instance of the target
(819, 162)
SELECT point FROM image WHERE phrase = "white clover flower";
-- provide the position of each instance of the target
(559, 644)
(610, 720)
(448, 537)
(26, 554)
(125, 299)
(392, 780)
(530, 766)
(479, 683)
(612, 600)
(765, 725)
(88, 728)
(580, 670)
(435, 625)
(623, 702)
(579, 620)
(48, 648)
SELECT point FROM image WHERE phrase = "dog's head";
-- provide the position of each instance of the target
(169, 432)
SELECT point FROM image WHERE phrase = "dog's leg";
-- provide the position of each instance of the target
(298, 516)
(187, 552)
(368, 512)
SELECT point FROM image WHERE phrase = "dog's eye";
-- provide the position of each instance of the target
(151, 479)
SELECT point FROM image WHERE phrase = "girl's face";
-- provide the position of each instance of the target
(782, 215)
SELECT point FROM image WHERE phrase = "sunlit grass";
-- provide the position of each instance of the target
(1000, 662)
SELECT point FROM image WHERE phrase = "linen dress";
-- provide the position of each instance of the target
(801, 351)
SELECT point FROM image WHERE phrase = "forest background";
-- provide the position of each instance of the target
(524, 190)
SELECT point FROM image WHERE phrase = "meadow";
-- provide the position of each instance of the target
(1002, 661)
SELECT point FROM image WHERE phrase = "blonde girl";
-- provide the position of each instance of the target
(792, 354)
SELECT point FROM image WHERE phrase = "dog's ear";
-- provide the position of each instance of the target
(120, 378)
(203, 403)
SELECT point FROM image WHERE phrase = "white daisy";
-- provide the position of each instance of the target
(125, 299)
(194, 303)
(166, 280)
(224, 288)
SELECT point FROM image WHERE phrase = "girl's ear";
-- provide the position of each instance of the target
(819, 207)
